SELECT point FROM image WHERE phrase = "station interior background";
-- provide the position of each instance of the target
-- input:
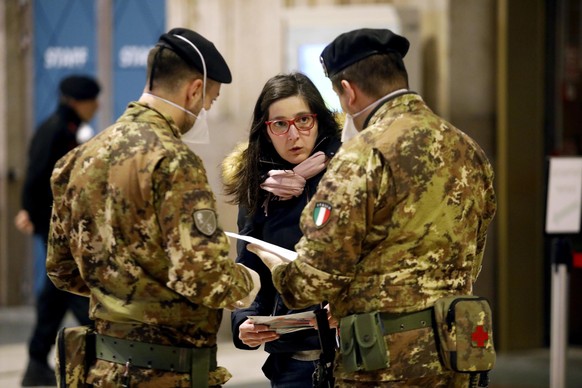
(506, 72)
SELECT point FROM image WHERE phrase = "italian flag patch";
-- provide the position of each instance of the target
(321, 213)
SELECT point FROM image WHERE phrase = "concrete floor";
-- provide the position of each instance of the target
(517, 370)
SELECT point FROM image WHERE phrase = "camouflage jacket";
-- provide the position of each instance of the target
(398, 221)
(134, 227)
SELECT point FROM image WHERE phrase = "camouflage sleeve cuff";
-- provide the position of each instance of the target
(302, 285)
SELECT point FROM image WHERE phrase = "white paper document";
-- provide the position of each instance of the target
(286, 254)
(283, 324)
(563, 207)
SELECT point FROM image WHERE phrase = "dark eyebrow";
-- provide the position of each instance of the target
(299, 114)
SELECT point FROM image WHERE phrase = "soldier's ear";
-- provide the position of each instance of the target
(349, 92)
(195, 87)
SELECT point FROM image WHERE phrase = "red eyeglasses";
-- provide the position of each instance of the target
(303, 123)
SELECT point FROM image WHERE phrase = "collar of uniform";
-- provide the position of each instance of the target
(148, 111)
(398, 103)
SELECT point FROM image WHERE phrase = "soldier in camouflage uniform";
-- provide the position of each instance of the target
(399, 219)
(134, 227)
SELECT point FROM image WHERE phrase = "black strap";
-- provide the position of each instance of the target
(62, 360)
(324, 378)
(153, 69)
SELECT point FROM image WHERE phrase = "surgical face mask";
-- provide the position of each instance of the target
(84, 133)
(198, 133)
(350, 131)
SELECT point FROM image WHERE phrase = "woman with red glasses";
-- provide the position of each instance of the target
(292, 136)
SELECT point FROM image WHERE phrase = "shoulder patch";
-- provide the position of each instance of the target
(205, 221)
(321, 213)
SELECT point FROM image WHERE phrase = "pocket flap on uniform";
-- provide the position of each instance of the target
(365, 330)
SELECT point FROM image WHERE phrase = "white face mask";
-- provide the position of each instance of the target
(349, 131)
(84, 133)
(199, 133)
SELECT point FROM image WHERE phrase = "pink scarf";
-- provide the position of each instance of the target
(287, 184)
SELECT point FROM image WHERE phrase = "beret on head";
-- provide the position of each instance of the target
(351, 47)
(79, 87)
(216, 67)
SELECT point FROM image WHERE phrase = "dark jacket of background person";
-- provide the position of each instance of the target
(54, 138)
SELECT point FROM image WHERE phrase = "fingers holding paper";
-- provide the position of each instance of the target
(270, 259)
(255, 335)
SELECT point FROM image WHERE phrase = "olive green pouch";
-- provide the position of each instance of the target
(464, 327)
(75, 352)
(370, 340)
(348, 344)
(363, 347)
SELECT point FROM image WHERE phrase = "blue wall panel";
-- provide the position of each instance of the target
(137, 25)
(65, 42)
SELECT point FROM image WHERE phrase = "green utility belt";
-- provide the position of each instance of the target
(396, 323)
(362, 337)
(462, 327)
(196, 361)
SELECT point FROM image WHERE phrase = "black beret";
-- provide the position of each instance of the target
(79, 87)
(216, 67)
(351, 47)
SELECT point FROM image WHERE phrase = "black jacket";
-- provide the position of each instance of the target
(52, 140)
(280, 227)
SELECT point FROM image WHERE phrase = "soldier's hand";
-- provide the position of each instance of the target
(23, 223)
(270, 259)
(247, 300)
(333, 324)
(255, 335)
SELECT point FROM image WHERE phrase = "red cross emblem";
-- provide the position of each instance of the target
(480, 336)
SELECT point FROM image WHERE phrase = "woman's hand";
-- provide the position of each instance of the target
(255, 335)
